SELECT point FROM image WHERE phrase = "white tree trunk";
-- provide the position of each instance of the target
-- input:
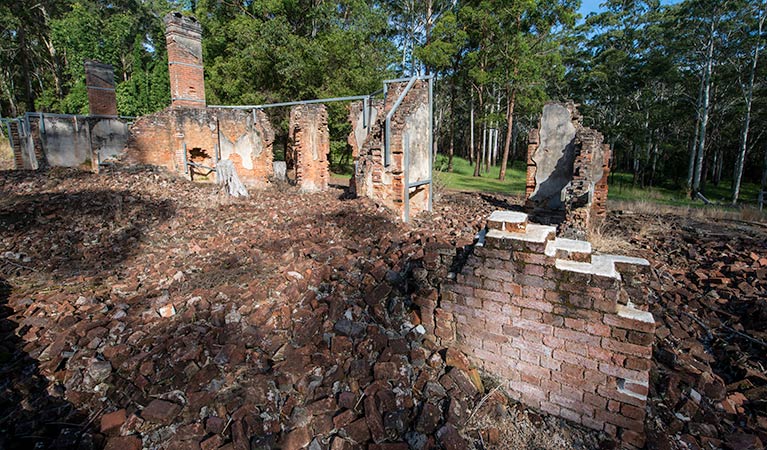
(705, 107)
(749, 94)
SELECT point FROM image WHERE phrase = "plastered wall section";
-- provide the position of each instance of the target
(240, 136)
(309, 146)
(409, 129)
(68, 141)
(566, 331)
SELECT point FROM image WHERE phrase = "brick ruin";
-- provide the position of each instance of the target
(409, 148)
(183, 37)
(177, 135)
(100, 84)
(42, 140)
(309, 146)
(567, 331)
(567, 170)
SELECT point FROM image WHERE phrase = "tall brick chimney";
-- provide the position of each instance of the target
(183, 35)
(100, 83)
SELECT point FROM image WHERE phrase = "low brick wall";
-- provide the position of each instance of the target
(564, 329)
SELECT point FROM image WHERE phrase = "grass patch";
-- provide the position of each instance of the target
(621, 189)
(462, 177)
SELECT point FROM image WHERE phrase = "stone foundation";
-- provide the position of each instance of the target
(566, 330)
(309, 146)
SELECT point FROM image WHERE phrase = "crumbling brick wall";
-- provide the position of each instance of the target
(242, 136)
(19, 158)
(409, 128)
(566, 331)
(309, 146)
(567, 170)
(100, 83)
(183, 36)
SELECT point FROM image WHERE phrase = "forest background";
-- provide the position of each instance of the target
(678, 89)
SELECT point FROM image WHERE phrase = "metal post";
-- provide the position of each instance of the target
(431, 142)
(186, 161)
(406, 170)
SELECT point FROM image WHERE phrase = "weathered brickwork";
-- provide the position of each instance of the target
(183, 36)
(238, 135)
(100, 83)
(567, 331)
(567, 171)
(16, 146)
(309, 146)
(409, 128)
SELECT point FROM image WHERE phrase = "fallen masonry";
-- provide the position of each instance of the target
(138, 310)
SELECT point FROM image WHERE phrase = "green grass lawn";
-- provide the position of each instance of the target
(462, 177)
(621, 189)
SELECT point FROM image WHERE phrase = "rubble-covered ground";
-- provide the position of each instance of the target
(139, 310)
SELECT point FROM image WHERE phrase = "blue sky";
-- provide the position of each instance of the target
(589, 6)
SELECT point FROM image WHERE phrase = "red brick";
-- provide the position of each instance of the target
(642, 351)
(573, 359)
(500, 297)
(530, 314)
(633, 438)
(577, 336)
(615, 320)
(620, 421)
(633, 412)
(532, 326)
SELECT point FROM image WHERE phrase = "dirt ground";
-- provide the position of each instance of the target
(141, 310)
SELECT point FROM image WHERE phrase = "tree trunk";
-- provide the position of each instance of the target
(30, 94)
(510, 99)
(749, 94)
(478, 159)
(762, 192)
(472, 158)
(705, 107)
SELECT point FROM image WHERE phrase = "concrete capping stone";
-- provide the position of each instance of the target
(569, 246)
(627, 312)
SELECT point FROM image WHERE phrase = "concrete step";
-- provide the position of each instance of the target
(569, 249)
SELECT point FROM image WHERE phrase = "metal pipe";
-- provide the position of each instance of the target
(419, 183)
(417, 77)
(186, 161)
(387, 135)
(296, 103)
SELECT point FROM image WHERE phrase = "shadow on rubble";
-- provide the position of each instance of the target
(501, 203)
(31, 414)
(79, 233)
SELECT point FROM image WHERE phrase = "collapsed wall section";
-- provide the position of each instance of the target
(309, 146)
(175, 137)
(567, 170)
(409, 149)
(566, 331)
